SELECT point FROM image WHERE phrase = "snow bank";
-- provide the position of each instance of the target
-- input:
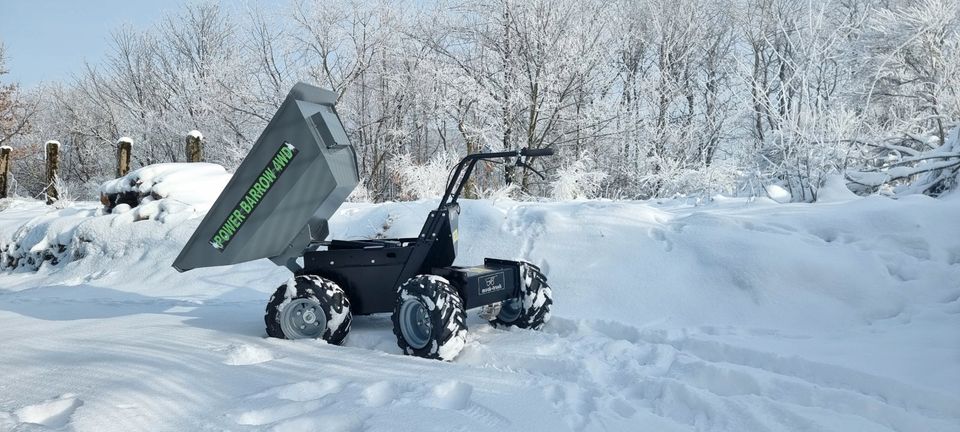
(34, 234)
(733, 262)
(738, 315)
(37, 234)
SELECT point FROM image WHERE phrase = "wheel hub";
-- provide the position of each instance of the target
(303, 318)
(510, 310)
(415, 325)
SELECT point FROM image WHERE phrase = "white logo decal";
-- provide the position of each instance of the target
(491, 284)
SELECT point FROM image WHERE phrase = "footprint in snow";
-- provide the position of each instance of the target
(286, 402)
(660, 235)
(302, 391)
(379, 394)
(271, 414)
(243, 354)
(7, 421)
(453, 395)
(458, 396)
(953, 256)
(324, 422)
(53, 413)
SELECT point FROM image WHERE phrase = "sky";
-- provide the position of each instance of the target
(48, 40)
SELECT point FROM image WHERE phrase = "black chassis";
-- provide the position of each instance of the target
(370, 271)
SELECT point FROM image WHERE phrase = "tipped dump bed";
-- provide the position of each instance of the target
(295, 177)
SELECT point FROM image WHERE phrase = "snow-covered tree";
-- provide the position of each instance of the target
(15, 111)
(912, 94)
(662, 97)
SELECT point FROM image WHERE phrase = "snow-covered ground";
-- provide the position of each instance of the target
(739, 315)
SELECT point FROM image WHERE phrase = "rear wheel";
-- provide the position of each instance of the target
(429, 319)
(309, 306)
(531, 309)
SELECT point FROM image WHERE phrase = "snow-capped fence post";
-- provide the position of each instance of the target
(53, 165)
(4, 169)
(124, 145)
(194, 146)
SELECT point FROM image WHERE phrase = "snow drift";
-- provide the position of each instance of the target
(739, 315)
(165, 193)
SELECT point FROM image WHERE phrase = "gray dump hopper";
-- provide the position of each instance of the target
(296, 176)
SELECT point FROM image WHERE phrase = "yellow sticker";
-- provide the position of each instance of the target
(456, 235)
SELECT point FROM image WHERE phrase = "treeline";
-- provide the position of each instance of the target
(643, 98)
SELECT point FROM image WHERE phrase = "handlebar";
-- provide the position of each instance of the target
(528, 152)
(456, 181)
(546, 151)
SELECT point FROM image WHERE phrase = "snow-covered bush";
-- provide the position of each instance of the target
(676, 179)
(498, 193)
(426, 180)
(913, 67)
(361, 193)
(580, 179)
(906, 171)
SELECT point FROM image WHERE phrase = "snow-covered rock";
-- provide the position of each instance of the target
(778, 193)
(835, 189)
(43, 237)
(180, 185)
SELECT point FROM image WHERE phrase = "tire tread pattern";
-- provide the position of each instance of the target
(446, 313)
(536, 297)
(327, 293)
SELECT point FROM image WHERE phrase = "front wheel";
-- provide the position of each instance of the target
(309, 306)
(429, 319)
(531, 309)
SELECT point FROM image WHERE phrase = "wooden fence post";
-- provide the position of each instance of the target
(194, 146)
(124, 146)
(4, 170)
(53, 165)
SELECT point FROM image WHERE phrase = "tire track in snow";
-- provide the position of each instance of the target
(595, 370)
(887, 391)
(354, 401)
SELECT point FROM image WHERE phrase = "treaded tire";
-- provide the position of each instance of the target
(534, 302)
(326, 294)
(443, 307)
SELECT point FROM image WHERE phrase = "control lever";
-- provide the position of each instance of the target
(520, 163)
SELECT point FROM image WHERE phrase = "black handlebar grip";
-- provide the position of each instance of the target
(546, 151)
